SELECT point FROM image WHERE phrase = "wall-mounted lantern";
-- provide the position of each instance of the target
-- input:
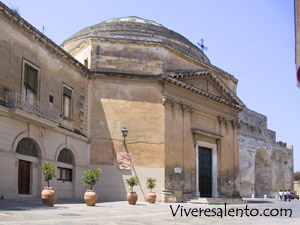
(125, 133)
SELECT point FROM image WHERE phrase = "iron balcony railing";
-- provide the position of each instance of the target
(16, 100)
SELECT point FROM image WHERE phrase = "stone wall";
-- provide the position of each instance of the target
(265, 167)
(116, 103)
(21, 44)
(18, 46)
(49, 142)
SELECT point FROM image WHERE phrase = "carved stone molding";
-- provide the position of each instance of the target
(167, 100)
(186, 108)
(222, 120)
(235, 124)
(170, 100)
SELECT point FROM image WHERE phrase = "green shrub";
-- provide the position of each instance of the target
(48, 171)
(282, 144)
(297, 176)
(91, 177)
(151, 183)
(132, 181)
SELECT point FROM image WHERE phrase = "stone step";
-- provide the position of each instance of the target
(217, 201)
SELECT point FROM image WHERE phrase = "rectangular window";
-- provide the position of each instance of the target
(64, 174)
(67, 102)
(30, 83)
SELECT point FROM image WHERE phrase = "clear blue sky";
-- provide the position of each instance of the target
(254, 40)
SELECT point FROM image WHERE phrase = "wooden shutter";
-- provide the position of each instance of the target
(68, 92)
(30, 78)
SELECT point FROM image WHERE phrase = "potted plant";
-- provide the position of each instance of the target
(151, 196)
(90, 179)
(48, 194)
(132, 195)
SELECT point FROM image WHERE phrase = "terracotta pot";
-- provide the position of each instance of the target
(90, 197)
(132, 198)
(151, 197)
(48, 196)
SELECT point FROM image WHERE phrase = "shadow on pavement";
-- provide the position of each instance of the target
(26, 204)
(258, 201)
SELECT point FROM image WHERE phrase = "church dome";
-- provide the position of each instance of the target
(133, 28)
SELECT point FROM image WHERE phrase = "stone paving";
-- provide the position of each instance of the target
(76, 212)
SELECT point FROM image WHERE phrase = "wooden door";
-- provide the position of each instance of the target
(24, 177)
(205, 172)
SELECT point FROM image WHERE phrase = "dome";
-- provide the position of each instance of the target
(133, 19)
(133, 28)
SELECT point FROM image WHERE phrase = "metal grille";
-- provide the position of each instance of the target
(65, 156)
(27, 147)
(16, 100)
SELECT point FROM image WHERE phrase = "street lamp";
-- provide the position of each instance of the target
(124, 132)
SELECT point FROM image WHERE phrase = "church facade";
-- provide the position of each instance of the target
(68, 105)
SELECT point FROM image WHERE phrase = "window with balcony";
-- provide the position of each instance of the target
(30, 89)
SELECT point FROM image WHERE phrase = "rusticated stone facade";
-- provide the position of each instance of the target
(265, 167)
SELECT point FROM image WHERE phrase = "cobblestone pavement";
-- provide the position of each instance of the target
(76, 212)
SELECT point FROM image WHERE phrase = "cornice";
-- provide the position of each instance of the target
(40, 37)
(236, 105)
(212, 76)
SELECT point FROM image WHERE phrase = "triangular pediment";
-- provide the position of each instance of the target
(206, 83)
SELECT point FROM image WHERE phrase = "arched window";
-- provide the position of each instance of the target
(65, 172)
(65, 156)
(27, 147)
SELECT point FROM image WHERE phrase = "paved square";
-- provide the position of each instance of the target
(76, 212)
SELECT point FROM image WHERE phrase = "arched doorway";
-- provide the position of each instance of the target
(30, 152)
(262, 173)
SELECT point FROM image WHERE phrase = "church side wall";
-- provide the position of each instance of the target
(136, 105)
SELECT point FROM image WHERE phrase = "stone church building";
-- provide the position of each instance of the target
(68, 105)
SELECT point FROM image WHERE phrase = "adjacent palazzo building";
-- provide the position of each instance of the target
(68, 105)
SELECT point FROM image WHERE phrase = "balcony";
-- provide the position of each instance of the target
(15, 100)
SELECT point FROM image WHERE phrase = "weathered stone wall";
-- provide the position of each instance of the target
(265, 167)
(18, 46)
(138, 58)
(135, 104)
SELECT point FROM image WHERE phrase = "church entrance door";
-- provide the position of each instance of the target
(205, 172)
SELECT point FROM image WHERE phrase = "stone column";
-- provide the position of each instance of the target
(220, 146)
(236, 159)
(167, 193)
(188, 153)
